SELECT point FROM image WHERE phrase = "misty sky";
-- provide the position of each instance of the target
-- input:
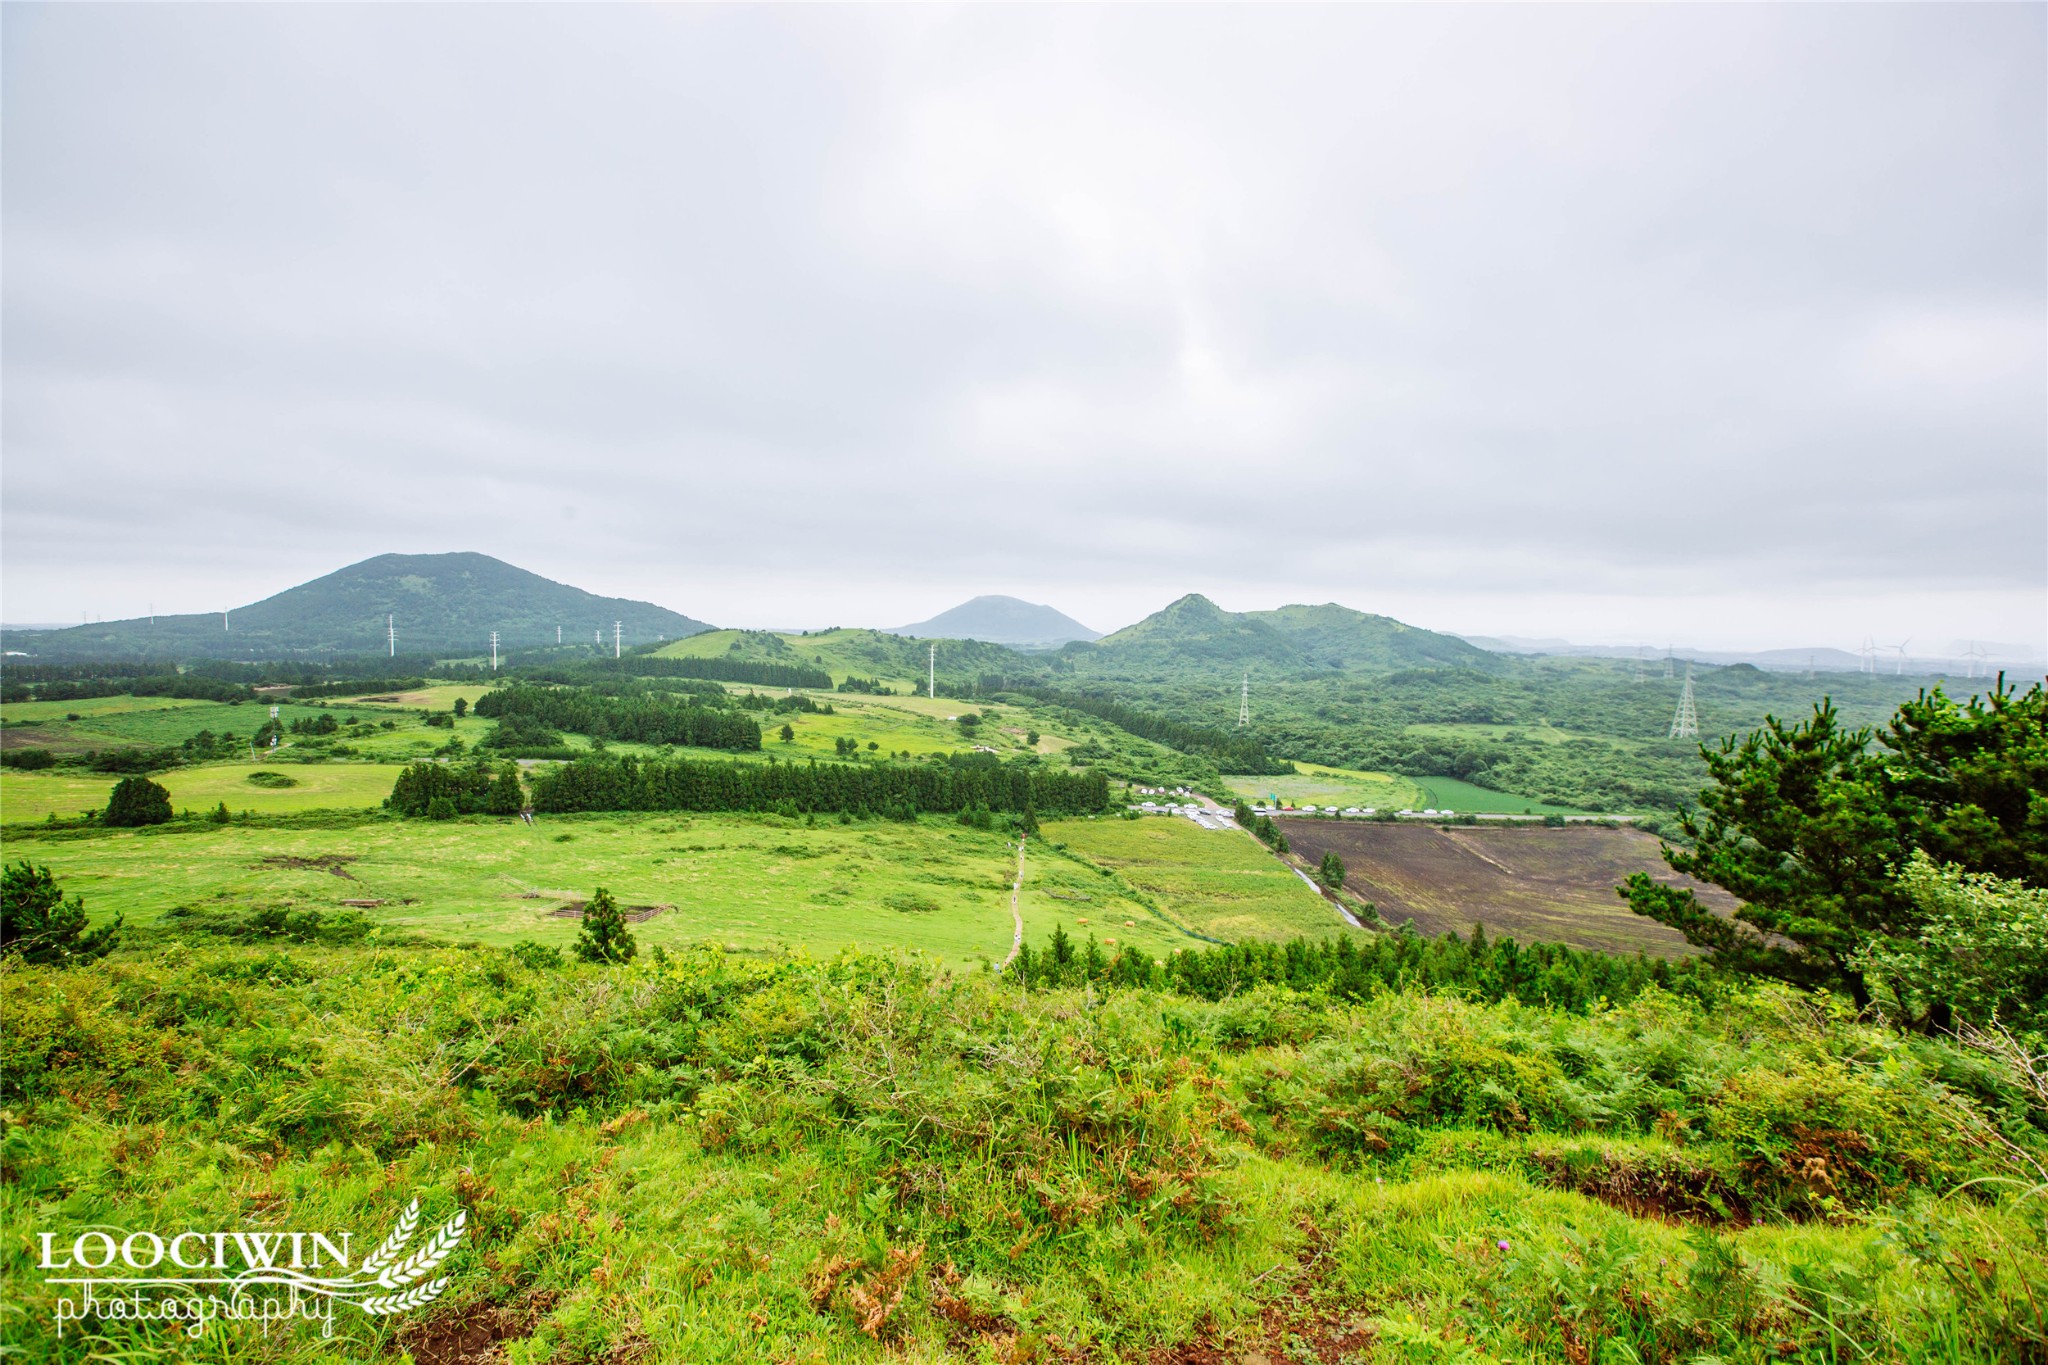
(1722, 324)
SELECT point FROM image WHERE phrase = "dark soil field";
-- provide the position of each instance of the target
(1535, 883)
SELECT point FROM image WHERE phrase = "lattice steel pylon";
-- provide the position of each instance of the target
(1685, 724)
(1244, 702)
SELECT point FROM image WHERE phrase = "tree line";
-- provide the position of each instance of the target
(1230, 752)
(641, 717)
(1478, 968)
(720, 670)
(606, 783)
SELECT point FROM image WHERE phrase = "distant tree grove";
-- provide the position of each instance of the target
(721, 670)
(644, 718)
(1229, 751)
(607, 783)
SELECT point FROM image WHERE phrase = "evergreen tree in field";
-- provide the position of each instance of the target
(461, 707)
(39, 924)
(1811, 826)
(506, 796)
(1331, 871)
(138, 801)
(786, 733)
(1027, 820)
(605, 937)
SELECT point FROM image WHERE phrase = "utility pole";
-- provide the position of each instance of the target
(931, 677)
(391, 630)
(1244, 703)
(494, 651)
(615, 639)
(1685, 723)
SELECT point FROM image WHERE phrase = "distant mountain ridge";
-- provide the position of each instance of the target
(1292, 638)
(1001, 620)
(441, 604)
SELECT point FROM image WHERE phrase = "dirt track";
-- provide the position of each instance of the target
(1535, 883)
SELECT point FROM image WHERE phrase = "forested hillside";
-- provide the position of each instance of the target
(444, 603)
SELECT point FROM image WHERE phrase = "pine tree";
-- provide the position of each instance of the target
(138, 801)
(1331, 872)
(604, 937)
(41, 925)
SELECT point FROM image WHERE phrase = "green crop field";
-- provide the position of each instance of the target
(1220, 883)
(1448, 793)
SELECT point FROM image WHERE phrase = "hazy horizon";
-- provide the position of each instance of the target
(1716, 324)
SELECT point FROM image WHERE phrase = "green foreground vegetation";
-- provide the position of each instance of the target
(700, 1158)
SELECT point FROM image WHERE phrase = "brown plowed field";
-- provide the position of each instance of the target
(1535, 883)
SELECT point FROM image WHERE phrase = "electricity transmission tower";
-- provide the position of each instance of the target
(391, 633)
(1244, 702)
(1669, 652)
(494, 651)
(1685, 724)
(615, 639)
(1639, 663)
(931, 676)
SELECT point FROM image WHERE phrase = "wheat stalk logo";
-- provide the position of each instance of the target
(403, 1281)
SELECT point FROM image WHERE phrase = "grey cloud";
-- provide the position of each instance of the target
(1556, 316)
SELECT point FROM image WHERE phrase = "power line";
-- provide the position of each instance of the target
(1685, 724)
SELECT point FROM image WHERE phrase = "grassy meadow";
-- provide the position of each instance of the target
(757, 884)
(29, 797)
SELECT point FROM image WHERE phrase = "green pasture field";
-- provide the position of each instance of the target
(39, 712)
(435, 696)
(148, 722)
(34, 796)
(752, 883)
(1220, 883)
(1320, 785)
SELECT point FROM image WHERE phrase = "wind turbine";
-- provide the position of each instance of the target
(1976, 655)
(1900, 667)
(1868, 655)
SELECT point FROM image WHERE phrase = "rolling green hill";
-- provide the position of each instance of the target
(896, 659)
(441, 604)
(1293, 640)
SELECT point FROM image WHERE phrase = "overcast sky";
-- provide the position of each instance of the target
(1724, 324)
